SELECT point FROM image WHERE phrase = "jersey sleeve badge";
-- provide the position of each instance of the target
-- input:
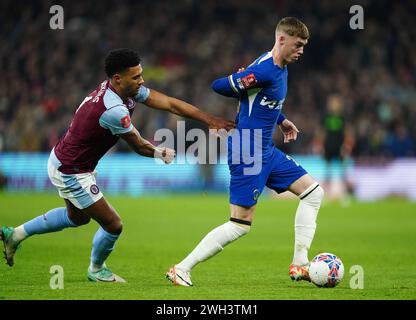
(125, 121)
(249, 81)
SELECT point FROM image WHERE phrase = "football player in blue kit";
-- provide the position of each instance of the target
(261, 90)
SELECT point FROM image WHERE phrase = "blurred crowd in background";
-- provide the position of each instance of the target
(369, 74)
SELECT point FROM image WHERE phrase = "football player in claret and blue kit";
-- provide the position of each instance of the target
(101, 119)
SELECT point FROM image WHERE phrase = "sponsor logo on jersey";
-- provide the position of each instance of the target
(125, 121)
(272, 104)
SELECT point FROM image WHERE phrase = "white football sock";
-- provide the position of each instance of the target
(305, 222)
(19, 234)
(213, 243)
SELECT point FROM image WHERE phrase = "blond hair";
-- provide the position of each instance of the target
(293, 27)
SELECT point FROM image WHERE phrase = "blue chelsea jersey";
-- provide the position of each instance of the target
(261, 90)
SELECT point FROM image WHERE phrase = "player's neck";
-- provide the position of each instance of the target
(278, 58)
(117, 90)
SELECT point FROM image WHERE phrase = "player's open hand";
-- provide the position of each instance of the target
(289, 130)
(166, 154)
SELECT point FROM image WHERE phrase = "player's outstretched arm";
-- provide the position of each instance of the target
(244, 79)
(145, 148)
(161, 101)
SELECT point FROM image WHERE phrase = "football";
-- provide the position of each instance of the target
(326, 270)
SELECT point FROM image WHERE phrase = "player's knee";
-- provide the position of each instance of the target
(78, 218)
(242, 227)
(315, 196)
(115, 226)
(319, 193)
(82, 220)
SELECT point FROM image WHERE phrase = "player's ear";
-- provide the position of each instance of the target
(117, 78)
(280, 38)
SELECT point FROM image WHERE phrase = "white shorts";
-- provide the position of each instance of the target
(81, 189)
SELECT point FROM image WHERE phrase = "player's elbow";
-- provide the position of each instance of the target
(222, 87)
(216, 86)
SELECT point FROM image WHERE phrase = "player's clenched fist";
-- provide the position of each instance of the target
(166, 154)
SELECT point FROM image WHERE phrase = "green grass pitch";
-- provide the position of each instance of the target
(159, 231)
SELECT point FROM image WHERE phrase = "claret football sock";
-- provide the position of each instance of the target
(305, 222)
(52, 221)
(213, 243)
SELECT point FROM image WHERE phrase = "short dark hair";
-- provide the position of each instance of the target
(119, 60)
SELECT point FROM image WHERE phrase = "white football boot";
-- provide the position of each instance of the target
(179, 277)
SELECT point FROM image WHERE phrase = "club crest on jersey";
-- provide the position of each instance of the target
(94, 189)
(256, 194)
(247, 82)
(125, 121)
(130, 103)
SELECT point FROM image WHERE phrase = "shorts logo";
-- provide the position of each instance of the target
(256, 194)
(249, 81)
(125, 121)
(94, 189)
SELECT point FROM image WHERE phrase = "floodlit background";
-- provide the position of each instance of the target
(365, 77)
(185, 45)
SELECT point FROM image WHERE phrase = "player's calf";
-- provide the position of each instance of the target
(214, 242)
(305, 222)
